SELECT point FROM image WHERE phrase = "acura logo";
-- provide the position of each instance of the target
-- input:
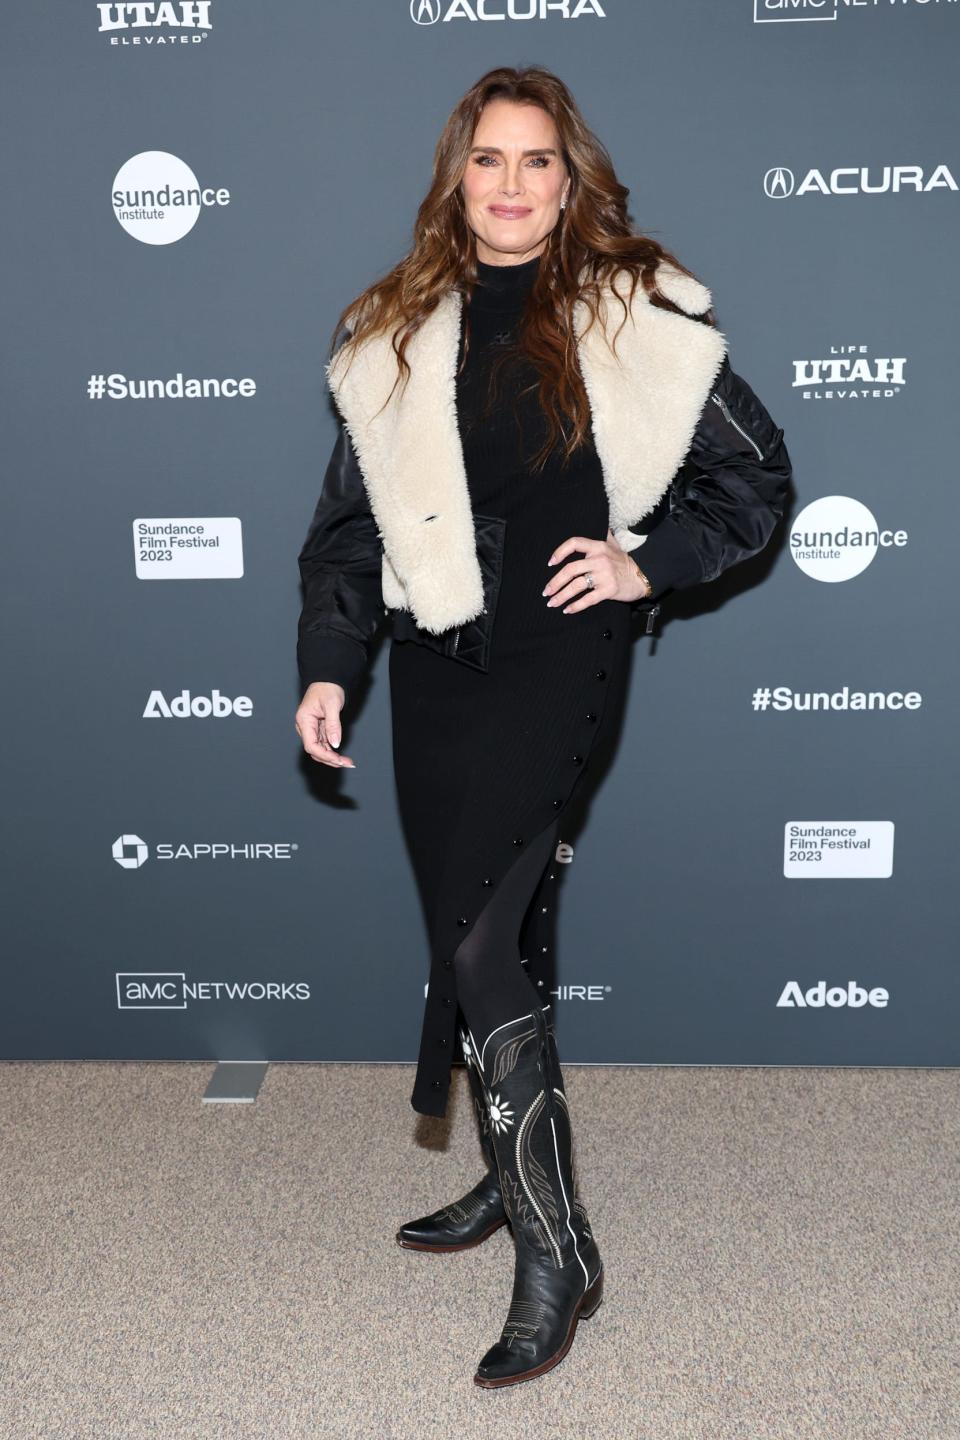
(428, 12)
(778, 183)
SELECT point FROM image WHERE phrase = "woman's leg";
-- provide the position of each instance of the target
(558, 1274)
(494, 988)
(492, 985)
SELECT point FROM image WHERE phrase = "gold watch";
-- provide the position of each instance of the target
(645, 579)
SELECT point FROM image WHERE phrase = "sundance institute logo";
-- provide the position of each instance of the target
(158, 199)
(836, 537)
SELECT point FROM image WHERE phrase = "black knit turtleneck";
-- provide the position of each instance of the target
(500, 431)
(504, 287)
(500, 439)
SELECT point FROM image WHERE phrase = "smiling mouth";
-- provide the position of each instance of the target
(510, 212)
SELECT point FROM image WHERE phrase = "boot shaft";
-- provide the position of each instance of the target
(529, 1126)
(478, 1095)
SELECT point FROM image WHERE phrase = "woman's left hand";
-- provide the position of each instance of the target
(614, 574)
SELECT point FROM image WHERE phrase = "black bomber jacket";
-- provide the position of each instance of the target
(720, 508)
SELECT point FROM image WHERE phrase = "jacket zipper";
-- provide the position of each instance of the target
(739, 428)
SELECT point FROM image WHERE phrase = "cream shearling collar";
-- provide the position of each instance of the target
(645, 404)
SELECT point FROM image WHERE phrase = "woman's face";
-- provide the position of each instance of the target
(514, 182)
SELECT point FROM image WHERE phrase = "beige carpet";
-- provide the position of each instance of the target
(781, 1254)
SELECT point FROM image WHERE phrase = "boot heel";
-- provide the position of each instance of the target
(591, 1297)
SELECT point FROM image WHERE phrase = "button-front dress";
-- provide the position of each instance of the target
(486, 760)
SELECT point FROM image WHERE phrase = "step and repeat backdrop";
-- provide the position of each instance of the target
(765, 872)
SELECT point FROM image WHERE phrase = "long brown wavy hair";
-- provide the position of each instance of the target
(591, 241)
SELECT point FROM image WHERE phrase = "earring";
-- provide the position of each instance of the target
(563, 204)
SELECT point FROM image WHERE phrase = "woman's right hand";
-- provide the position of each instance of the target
(318, 723)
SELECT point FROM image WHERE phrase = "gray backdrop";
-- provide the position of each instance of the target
(685, 936)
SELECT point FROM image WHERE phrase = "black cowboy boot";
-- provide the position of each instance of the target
(558, 1276)
(474, 1218)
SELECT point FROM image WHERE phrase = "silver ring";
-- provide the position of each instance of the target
(589, 579)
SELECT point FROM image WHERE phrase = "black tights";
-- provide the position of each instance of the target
(492, 985)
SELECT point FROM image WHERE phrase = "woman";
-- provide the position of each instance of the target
(493, 452)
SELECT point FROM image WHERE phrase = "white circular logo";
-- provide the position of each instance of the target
(778, 183)
(130, 852)
(424, 12)
(157, 198)
(836, 537)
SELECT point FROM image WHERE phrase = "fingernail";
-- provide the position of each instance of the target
(334, 743)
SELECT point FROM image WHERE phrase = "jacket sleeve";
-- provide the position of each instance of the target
(726, 497)
(340, 566)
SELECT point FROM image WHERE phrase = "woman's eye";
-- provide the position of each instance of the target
(541, 161)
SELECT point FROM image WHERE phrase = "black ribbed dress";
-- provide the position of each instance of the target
(484, 761)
